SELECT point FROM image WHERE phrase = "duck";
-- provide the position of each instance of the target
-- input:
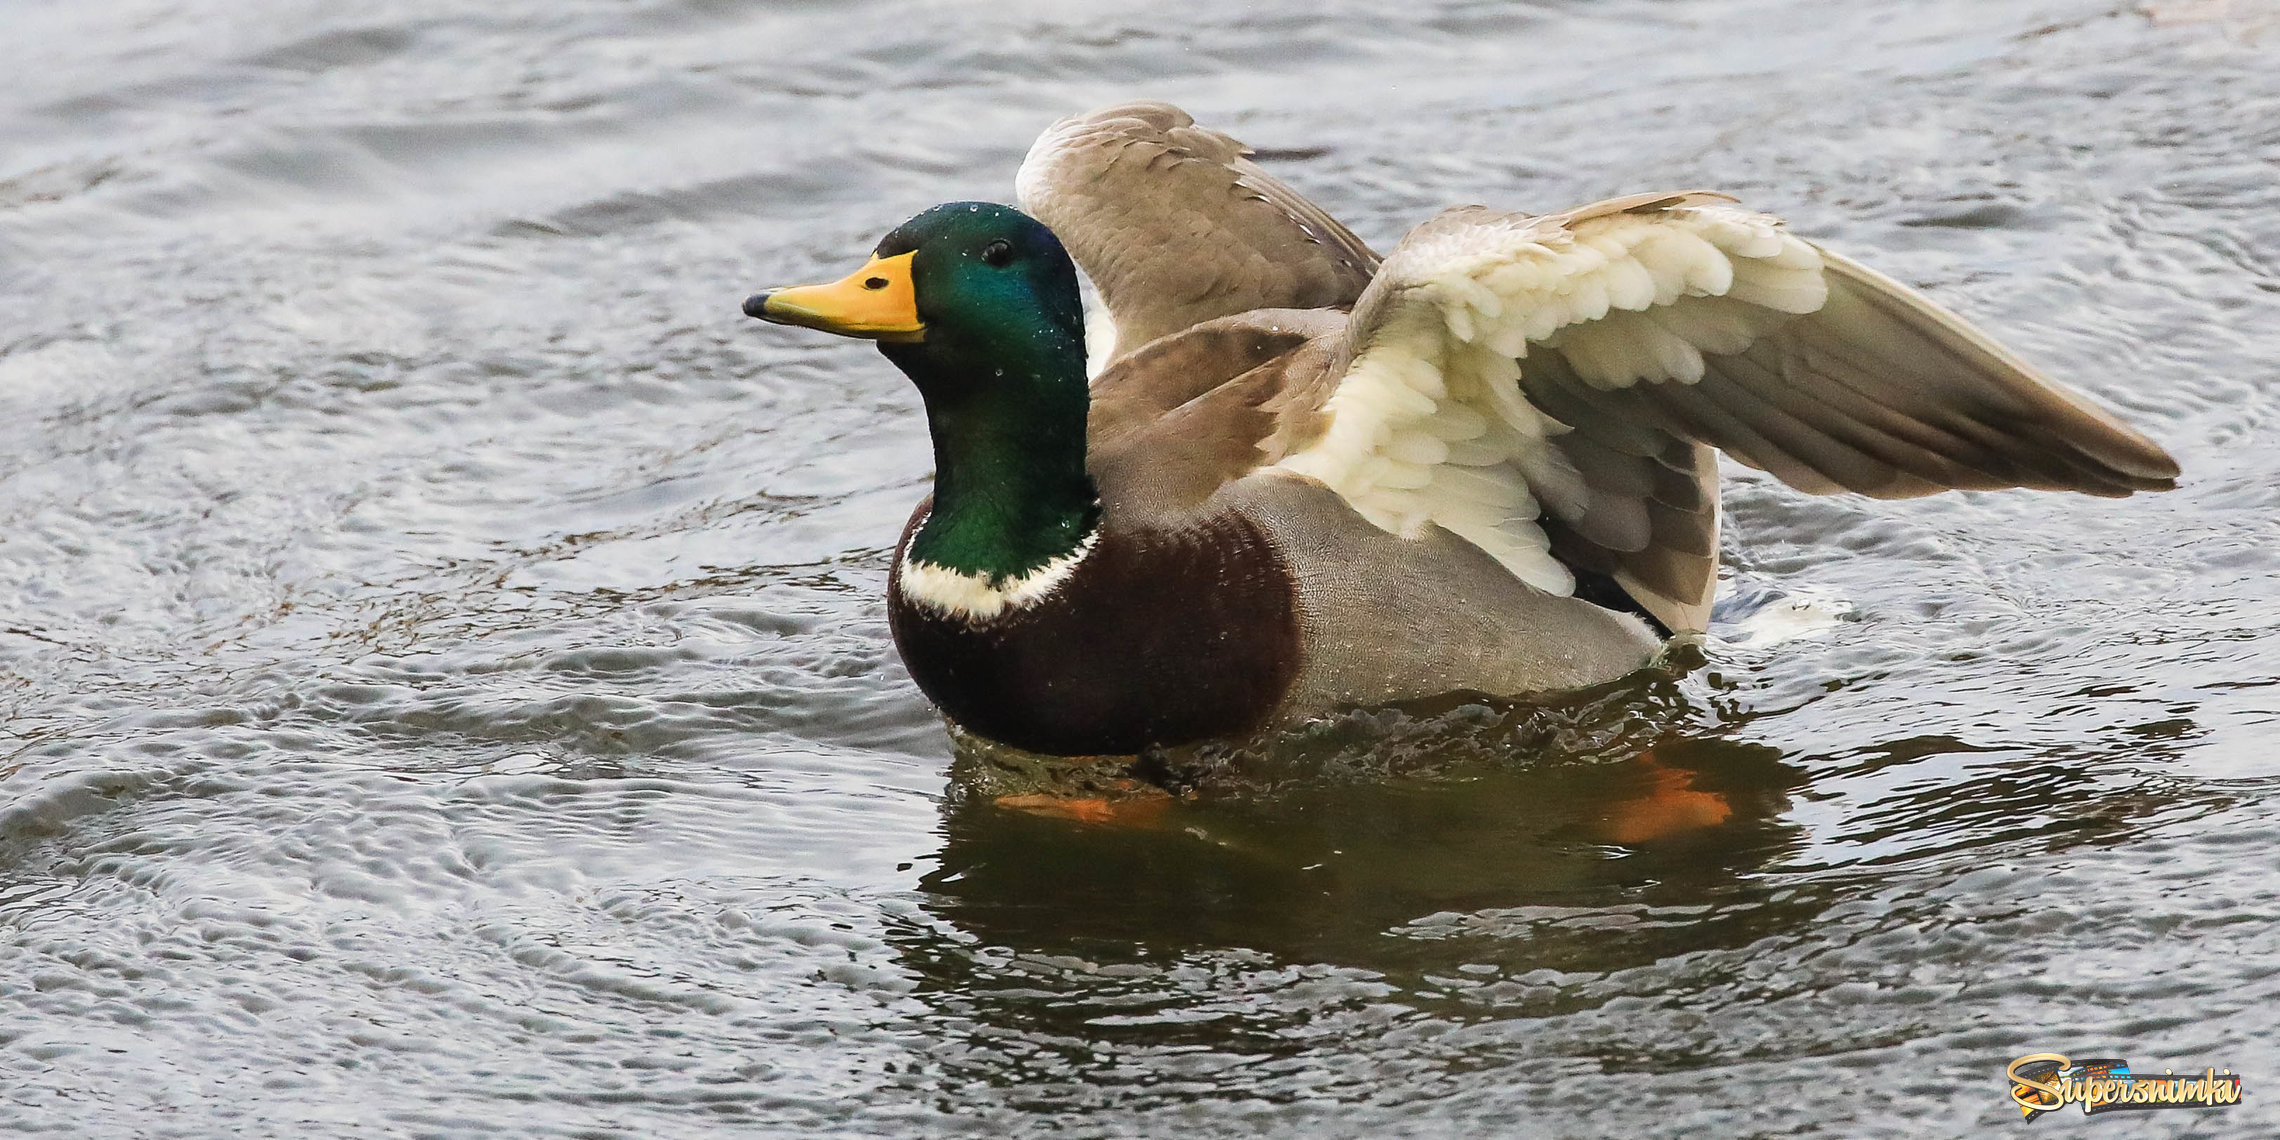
(1309, 477)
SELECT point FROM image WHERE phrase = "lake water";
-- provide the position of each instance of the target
(446, 688)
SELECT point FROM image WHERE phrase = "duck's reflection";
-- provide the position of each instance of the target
(1329, 846)
(1422, 875)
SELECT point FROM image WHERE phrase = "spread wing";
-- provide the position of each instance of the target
(1549, 388)
(1176, 226)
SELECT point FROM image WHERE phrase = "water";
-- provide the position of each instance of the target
(447, 690)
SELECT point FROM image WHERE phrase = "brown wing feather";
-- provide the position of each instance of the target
(1876, 393)
(1175, 421)
(1957, 410)
(1176, 226)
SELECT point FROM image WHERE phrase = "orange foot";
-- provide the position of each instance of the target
(1139, 807)
(1669, 807)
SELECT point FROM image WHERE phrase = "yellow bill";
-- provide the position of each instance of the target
(876, 302)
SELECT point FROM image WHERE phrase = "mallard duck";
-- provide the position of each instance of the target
(1311, 477)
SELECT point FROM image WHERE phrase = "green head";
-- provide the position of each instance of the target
(977, 303)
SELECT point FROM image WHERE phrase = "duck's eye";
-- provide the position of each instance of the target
(874, 283)
(998, 253)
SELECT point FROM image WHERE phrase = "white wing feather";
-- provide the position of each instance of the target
(1429, 424)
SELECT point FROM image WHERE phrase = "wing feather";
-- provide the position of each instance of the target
(1577, 368)
(1176, 225)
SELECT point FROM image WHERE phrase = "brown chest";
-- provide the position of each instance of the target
(1157, 637)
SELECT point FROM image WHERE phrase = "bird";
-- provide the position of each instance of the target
(1309, 477)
